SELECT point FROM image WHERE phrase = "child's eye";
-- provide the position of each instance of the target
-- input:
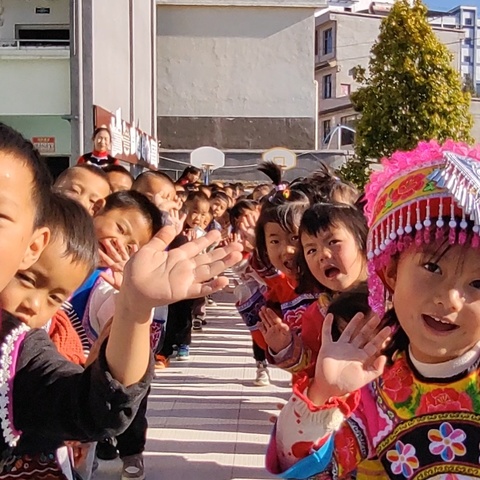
(274, 242)
(295, 238)
(310, 251)
(475, 284)
(120, 228)
(56, 299)
(432, 267)
(334, 242)
(26, 279)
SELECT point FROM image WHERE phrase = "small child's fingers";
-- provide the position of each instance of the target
(355, 325)
(365, 333)
(327, 330)
(270, 317)
(374, 347)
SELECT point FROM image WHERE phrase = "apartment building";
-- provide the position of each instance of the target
(343, 40)
(68, 66)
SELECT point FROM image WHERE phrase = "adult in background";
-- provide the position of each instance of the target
(191, 174)
(102, 141)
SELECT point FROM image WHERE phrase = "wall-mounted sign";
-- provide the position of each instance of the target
(44, 144)
(129, 143)
(42, 10)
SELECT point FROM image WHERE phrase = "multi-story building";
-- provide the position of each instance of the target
(69, 65)
(343, 41)
(237, 75)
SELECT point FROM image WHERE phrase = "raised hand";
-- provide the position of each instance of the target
(115, 257)
(247, 226)
(276, 333)
(351, 363)
(155, 277)
(177, 219)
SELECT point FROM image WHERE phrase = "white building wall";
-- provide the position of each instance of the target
(23, 12)
(35, 86)
(238, 62)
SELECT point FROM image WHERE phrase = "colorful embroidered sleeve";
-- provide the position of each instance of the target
(310, 439)
(294, 359)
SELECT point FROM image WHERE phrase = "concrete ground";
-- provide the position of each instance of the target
(206, 418)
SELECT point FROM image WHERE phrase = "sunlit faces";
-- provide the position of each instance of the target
(153, 185)
(125, 227)
(20, 244)
(198, 211)
(119, 181)
(334, 259)
(281, 247)
(437, 301)
(35, 294)
(102, 141)
(85, 187)
(219, 207)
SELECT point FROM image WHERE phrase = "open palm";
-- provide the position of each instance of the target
(155, 277)
(353, 361)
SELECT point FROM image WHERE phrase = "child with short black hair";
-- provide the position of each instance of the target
(85, 183)
(119, 177)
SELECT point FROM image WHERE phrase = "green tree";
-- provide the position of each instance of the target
(411, 92)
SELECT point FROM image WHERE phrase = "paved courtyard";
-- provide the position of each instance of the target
(206, 419)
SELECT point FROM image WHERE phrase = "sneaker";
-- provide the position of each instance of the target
(183, 352)
(161, 362)
(133, 467)
(197, 324)
(211, 302)
(106, 450)
(263, 378)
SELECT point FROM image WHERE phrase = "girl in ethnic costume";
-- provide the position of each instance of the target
(417, 411)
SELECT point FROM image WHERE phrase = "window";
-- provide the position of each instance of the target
(327, 41)
(316, 42)
(327, 128)
(468, 21)
(467, 59)
(345, 88)
(42, 35)
(327, 86)
(348, 136)
(468, 41)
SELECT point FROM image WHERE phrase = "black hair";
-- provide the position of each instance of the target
(133, 200)
(197, 197)
(239, 209)
(117, 169)
(346, 305)
(69, 222)
(94, 169)
(318, 218)
(153, 173)
(101, 129)
(189, 169)
(14, 144)
(272, 171)
(284, 208)
(221, 196)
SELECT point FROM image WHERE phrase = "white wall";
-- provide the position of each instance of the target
(23, 12)
(236, 61)
(35, 86)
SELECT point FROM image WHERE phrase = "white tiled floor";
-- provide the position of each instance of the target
(206, 419)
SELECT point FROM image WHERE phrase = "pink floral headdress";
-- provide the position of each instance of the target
(414, 199)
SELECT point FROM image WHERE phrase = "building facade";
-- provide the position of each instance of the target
(60, 60)
(236, 75)
(343, 41)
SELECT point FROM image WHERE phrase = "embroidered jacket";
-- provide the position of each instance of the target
(419, 428)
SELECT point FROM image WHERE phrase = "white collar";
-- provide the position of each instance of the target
(449, 368)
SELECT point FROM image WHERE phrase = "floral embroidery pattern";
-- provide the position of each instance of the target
(410, 185)
(447, 442)
(403, 458)
(445, 400)
(398, 382)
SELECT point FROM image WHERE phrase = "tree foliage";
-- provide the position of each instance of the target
(411, 92)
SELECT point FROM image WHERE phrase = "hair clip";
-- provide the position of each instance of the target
(286, 193)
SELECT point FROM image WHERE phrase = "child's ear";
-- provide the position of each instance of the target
(390, 274)
(99, 204)
(38, 242)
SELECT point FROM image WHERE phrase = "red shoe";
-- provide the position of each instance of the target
(161, 362)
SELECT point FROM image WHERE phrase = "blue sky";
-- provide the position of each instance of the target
(445, 5)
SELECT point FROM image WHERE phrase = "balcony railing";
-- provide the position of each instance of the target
(17, 44)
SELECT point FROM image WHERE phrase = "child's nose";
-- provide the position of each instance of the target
(451, 299)
(31, 305)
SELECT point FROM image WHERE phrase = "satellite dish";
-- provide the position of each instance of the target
(281, 156)
(207, 158)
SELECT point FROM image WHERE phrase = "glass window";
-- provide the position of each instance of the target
(327, 86)
(327, 41)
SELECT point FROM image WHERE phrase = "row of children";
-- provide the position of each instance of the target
(373, 304)
(101, 264)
